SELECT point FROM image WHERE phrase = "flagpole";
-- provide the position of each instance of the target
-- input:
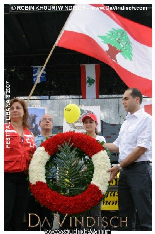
(34, 86)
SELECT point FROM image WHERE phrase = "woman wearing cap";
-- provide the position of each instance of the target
(90, 125)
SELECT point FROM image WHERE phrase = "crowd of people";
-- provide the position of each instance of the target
(134, 144)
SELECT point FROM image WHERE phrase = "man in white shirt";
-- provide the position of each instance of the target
(134, 145)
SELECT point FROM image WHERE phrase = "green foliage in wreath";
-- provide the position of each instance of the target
(69, 171)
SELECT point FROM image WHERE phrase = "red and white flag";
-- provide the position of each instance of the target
(90, 75)
(124, 45)
(147, 106)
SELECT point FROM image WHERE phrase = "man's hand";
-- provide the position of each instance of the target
(114, 170)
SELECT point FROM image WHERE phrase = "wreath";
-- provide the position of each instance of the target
(56, 201)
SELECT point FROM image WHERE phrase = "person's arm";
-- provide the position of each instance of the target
(111, 147)
(132, 157)
(114, 170)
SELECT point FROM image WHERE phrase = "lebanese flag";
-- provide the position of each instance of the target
(124, 45)
(147, 106)
(90, 75)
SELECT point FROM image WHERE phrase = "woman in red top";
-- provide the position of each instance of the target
(19, 145)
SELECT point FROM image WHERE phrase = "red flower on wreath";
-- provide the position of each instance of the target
(56, 201)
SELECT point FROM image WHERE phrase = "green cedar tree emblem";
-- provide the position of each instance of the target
(90, 81)
(118, 42)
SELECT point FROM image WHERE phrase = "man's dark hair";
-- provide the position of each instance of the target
(136, 93)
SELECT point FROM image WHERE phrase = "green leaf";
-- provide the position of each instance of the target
(71, 178)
